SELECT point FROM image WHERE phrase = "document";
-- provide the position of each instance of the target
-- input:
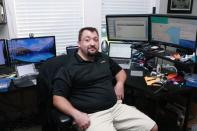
(24, 70)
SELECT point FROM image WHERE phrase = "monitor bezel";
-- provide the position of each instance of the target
(18, 63)
(127, 15)
(5, 53)
(167, 43)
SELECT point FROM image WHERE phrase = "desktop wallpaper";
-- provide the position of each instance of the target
(32, 50)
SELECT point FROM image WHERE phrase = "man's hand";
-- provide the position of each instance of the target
(119, 90)
(82, 120)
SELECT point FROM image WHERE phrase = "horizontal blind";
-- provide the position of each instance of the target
(126, 7)
(61, 18)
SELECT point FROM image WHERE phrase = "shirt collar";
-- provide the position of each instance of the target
(78, 57)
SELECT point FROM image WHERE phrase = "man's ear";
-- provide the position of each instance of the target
(78, 44)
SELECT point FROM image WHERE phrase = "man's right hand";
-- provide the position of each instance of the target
(82, 120)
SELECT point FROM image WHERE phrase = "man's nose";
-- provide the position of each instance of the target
(92, 42)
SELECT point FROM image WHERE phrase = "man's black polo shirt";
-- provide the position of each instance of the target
(87, 85)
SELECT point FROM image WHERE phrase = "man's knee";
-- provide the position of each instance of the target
(155, 128)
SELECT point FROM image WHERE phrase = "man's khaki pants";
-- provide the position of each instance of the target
(120, 117)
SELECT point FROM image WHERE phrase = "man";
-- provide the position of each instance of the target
(83, 89)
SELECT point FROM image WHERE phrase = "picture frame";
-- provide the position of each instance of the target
(3, 19)
(180, 6)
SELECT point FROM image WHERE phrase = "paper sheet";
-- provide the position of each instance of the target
(25, 70)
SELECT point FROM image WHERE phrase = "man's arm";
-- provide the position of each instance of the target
(119, 87)
(81, 119)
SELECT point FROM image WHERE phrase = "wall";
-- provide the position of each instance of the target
(4, 31)
(92, 13)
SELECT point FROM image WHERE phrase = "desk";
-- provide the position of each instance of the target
(160, 100)
(138, 84)
(18, 107)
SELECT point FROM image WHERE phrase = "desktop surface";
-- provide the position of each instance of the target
(139, 83)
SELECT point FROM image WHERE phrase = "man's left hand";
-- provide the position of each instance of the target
(119, 90)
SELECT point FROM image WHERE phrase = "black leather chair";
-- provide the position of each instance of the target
(52, 119)
(71, 49)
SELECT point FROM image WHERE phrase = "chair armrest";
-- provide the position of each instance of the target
(65, 119)
(61, 118)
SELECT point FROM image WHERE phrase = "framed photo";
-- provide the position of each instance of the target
(180, 6)
(2, 12)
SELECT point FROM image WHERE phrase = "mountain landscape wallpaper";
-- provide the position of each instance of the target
(32, 50)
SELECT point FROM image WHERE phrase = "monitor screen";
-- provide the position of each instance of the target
(176, 31)
(120, 50)
(2, 53)
(31, 50)
(127, 27)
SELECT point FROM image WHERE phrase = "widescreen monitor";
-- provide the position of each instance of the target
(31, 50)
(178, 31)
(127, 27)
(3, 54)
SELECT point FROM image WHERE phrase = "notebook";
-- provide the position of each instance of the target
(121, 54)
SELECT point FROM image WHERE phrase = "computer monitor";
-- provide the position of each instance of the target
(119, 50)
(177, 31)
(3, 53)
(31, 50)
(127, 27)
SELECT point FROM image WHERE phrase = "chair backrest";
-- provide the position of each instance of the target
(44, 81)
(71, 49)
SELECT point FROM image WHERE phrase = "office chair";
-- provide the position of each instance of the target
(71, 49)
(52, 119)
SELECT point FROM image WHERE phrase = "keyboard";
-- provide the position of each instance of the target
(6, 70)
(122, 61)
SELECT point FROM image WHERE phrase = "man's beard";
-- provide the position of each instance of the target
(92, 54)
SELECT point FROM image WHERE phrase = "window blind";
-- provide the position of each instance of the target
(61, 18)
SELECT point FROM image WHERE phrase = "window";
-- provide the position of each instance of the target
(64, 18)
(61, 18)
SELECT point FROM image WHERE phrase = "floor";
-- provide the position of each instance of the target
(34, 128)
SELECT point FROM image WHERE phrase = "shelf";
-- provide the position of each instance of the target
(163, 55)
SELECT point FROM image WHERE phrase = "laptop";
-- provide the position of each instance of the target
(121, 54)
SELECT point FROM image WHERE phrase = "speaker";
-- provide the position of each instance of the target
(154, 10)
(104, 47)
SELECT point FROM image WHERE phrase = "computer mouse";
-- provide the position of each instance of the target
(154, 47)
